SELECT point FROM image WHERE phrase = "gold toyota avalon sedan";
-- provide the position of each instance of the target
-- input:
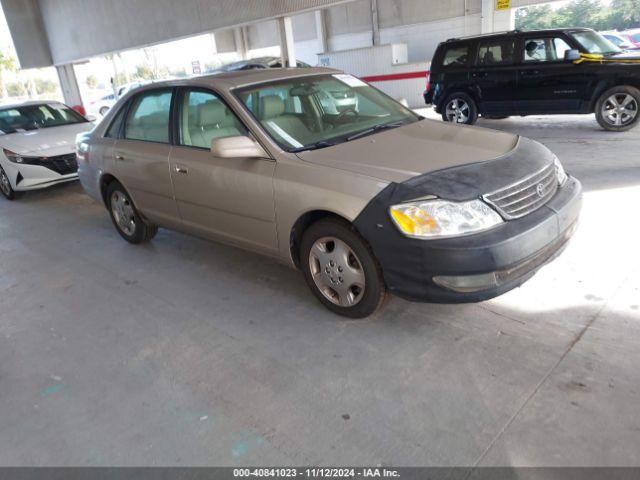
(363, 195)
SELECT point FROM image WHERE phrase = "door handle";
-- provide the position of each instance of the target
(119, 157)
(181, 169)
(480, 75)
(529, 73)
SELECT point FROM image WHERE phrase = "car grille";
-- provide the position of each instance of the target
(62, 164)
(525, 196)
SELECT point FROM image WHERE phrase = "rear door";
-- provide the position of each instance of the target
(141, 156)
(494, 75)
(546, 82)
(230, 199)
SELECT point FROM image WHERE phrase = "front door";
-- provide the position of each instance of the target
(231, 199)
(141, 156)
(494, 76)
(546, 82)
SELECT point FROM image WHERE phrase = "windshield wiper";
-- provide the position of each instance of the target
(312, 146)
(374, 129)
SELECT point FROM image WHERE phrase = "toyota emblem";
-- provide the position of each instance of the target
(540, 189)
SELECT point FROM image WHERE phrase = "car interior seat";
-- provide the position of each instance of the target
(212, 121)
(287, 127)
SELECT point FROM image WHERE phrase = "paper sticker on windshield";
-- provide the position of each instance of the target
(350, 80)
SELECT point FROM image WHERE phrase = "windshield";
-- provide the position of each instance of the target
(319, 111)
(33, 117)
(593, 42)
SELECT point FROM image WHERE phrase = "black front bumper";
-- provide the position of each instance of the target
(513, 251)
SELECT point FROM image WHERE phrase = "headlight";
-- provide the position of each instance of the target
(12, 156)
(441, 218)
(560, 173)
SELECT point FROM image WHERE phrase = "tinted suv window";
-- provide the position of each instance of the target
(456, 56)
(550, 49)
(148, 118)
(495, 52)
(204, 118)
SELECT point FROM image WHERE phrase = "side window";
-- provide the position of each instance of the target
(544, 49)
(456, 56)
(114, 129)
(148, 117)
(204, 117)
(495, 52)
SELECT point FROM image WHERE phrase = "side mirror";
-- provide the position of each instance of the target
(92, 118)
(572, 55)
(237, 147)
(403, 101)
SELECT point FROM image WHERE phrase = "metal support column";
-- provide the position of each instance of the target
(69, 85)
(287, 45)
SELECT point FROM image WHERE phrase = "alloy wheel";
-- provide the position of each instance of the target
(123, 213)
(620, 109)
(458, 111)
(336, 271)
(5, 186)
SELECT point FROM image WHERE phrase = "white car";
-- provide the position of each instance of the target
(38, 145)
(618, 40)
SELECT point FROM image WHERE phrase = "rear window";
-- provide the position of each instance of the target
(495, 52)
(456, 56)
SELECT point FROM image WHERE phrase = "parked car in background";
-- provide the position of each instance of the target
(363, 202)
(102, 105)
(633, 36)
(536, 72)
(253, 63)
(38, 145)
(619, 40)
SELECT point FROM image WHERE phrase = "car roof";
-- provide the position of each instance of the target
(240, 78)
(27, 103)
(520, 33)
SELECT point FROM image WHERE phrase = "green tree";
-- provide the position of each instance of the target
(92, 81)
(7, 64)
(620, 14)
(534, 18)
(44, 86)
(144, 72)
(15, 89)
(624, 14)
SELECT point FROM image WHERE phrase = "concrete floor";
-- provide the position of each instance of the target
(183, 352)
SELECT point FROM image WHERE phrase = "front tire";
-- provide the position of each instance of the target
(617, 109)
(125, 217)
(460, 108)
(341, 270)
(5, 186)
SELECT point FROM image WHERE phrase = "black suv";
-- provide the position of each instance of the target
(538, 72)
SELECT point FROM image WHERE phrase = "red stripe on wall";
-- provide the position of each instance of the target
(394, 76)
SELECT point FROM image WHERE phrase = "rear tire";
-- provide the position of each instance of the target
(5, 186)
(460, 108)
(125, 217)
(617, 109)
(341, 270)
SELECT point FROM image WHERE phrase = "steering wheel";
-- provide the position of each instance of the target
(345, 111)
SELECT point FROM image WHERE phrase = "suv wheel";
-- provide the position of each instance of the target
(340, 269)
(617, 109)
(5, 186)
(460, 108)
(128, 222)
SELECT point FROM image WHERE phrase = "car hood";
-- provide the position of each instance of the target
(624, 56)
(45, 141)
(421, 147)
